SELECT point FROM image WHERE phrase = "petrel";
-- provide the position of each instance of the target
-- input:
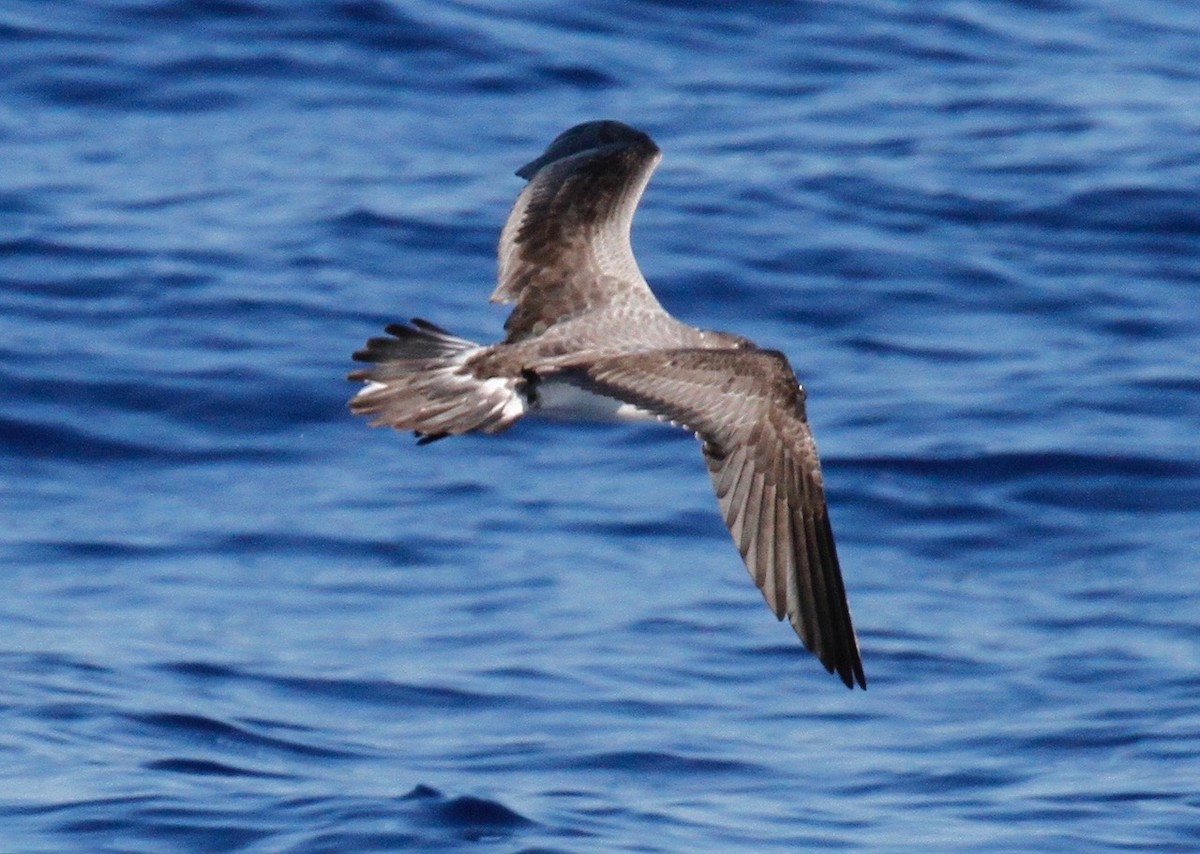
(588, 339)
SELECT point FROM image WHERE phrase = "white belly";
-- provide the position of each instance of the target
(561, 401)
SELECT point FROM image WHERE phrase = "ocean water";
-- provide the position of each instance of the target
(236, 619)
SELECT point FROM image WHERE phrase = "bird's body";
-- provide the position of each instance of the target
(588, 339)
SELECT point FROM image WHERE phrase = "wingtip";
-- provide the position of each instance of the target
(854, 676)
(844, 660)
(849, 670)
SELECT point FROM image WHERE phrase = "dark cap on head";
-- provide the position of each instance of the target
(588, 136)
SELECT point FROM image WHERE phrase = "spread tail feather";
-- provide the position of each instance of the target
(420, 380)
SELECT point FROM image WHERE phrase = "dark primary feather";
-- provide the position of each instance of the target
(747, 407)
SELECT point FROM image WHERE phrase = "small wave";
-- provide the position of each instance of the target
(43, 248)
(466, 811)
(473, 238)
(186, 11)
(206, 768)
(369, 691)
(659, 762)
(397, 695)
(40, 440)
(1124, 210)
(199, 729)
(465, 816)
(1020, 465)
(687, 525)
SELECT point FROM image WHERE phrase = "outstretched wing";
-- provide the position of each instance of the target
(565, 248)
(748, 409)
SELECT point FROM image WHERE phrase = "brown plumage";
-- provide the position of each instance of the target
(586, 322)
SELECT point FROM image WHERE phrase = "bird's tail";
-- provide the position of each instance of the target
(421, 381)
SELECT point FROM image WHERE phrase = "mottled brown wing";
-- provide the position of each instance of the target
(748, 409)
(565, 248)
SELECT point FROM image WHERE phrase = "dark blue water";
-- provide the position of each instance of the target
(235, 619)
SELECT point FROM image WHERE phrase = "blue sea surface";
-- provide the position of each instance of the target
(236, 619)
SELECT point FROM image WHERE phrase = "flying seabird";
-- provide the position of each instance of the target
(587, 338)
